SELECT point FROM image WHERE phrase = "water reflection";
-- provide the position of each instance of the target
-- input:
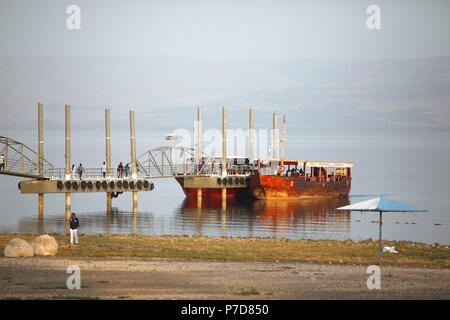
(214, 217)
(293, 219)
(304, 217)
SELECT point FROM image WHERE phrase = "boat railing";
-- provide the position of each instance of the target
(274, 171)
(213, 168)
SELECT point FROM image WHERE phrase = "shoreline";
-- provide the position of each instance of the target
(45, 278)
(344, 252)
(131, 267)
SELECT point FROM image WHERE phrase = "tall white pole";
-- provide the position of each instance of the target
(133, 158)
(68, 173)
(224, 140)
(224, 151)
(199, 150)
(275, 135)
(108, 155)
(251, 134)
(41, 154)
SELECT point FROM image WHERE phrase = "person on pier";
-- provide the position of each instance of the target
(104, 170)
(127, 170)
(80, 171)
(2, 162)
(120, 170)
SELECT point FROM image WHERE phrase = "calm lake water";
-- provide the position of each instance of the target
(409, 168)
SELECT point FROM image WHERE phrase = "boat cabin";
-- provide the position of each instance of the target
(309, 170)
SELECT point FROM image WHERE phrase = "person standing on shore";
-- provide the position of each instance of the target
(104, 170)
(74, 171)
(74, 224)
(2, 162)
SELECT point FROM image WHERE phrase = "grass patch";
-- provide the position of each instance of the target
(102, 281)
(122, 297)
(250, 292)
(75, 298)
(342, 252)
(60, 287)
(52, 288)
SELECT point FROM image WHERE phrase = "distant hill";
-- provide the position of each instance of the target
(324, 95)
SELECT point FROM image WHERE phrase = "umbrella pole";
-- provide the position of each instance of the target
(381, 224)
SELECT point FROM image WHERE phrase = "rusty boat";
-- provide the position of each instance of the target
(301, 179)
(314, 179)
(273, 178)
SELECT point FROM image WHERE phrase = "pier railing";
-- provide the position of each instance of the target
(164, 162)
(181, 161)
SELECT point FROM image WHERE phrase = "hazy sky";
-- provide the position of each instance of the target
(315, 61)
(228, 29)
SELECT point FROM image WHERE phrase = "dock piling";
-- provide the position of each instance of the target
(224, 148)
(251, 135)
(199, 149)
(224, 141)
(108, 155)
(68, 173)
(41, 154)
(275, 135)
(135, 202)
(133, 157)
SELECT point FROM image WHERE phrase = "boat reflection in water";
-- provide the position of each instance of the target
(312, 219)
(306, 218)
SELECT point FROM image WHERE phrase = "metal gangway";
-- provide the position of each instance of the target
(179, 161)
(17, 159)
(163, 162)
(175, 161)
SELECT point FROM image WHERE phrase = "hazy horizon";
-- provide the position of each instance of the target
(317, 62)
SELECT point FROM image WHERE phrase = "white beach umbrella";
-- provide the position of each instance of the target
(380, 205)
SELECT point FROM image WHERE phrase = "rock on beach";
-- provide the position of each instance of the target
(45, 245)
(18, 248)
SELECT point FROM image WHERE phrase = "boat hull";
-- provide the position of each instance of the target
(281, 187)
(213, 192)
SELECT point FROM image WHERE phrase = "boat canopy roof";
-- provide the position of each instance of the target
(309, 163)
(329, 164)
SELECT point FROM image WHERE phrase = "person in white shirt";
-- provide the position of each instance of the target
(2, 162)
(104, 170)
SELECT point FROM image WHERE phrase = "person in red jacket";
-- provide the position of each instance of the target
(120, 170)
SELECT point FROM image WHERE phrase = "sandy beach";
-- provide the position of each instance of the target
(139, 278)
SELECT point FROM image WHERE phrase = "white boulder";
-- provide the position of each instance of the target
(45, 245)
(18, 248)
